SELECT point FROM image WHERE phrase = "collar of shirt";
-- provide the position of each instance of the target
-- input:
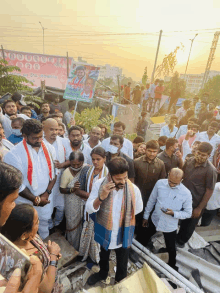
(145, 160)
(175, 187)
(201, 165)
(166, 155)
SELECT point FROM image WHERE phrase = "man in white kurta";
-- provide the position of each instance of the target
(51, 137)
(42, 181)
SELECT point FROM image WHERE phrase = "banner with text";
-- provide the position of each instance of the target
(81, 82)
(38, 67)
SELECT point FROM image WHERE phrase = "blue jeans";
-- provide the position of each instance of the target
(57, 218)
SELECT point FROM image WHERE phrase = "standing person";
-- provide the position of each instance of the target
(54, 106)
(199, 177)
(148, 170)
(203, 112)
(68, 116)
(74, 199)
(184, 128)
(171, 156)
(45, 111)
(51, 137)
(104, 131)
(127, 94)
(19, 100)
(158, 96)
(152, 94)
(172, 201)
(162, 143)
(137, 95)
(26, 111)
(209, 118)
(181, 112)
(88, 245)
(10, 182)
(25, 218)
(141, 149)
(170, 130)
(33, 112)
(174, 96)
(116, 201)
(196, 105)
(5, 145)
(10, 110)
(146, 97)
(211, 137)
(142, 125)
(35, 160)
(75, 142)
(191, 135)
(116, 143)
(61, 129)
(16, 125)
(119, 129)
(94, 139)
(189, 114)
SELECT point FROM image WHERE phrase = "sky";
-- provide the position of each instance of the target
(116, 32)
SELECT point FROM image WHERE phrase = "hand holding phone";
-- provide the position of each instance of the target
(106, 190)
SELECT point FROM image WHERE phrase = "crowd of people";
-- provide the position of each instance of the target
(102, 190)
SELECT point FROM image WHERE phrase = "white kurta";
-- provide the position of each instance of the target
(17, 157)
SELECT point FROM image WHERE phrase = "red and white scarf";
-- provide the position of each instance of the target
(31, 173)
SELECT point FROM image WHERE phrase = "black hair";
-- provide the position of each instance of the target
(214, 124)
(21, 220)
(170, 142)
(18, 119)
(10, 180)
(44, 104)
(16, 97)
(205, 147)
(138, 139)
(31, 126)
(82, 127)
(117, 166)
(103, 126)
(119, 137)
(190, 113)
(61, 124)
(173, 117)
(163, 138)
(25, 108)
(98, 151)
(120, 124)
(71, 103)
(7, 102)
(77, 155)
(75, 128)
(152, 144)
(80, 68)
(194, 120)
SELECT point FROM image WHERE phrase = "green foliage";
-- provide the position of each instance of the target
(10, 82)
(34, 100)
(131, 136)
(91, 117)
(212, 87)
(168, 64)
(144, 77)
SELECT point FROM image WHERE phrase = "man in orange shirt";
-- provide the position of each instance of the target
(127, 94)
(158, 95)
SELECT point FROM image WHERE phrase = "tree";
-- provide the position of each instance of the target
(10, 82)
(144, 77)
(168, 64)
(212, 87)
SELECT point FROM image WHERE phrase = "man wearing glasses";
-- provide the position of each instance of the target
(172, 201)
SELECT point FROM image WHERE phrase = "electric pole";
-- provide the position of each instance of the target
(43, 28)
(192, 40)
(155, 62)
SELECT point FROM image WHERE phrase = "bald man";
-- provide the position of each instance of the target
(172, 201)
(94, 139)
(50, 128)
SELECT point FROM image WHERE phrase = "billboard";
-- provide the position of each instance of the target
(38, 67)
(81, 82)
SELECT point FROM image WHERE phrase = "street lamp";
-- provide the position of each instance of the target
(43, 28)
(192, 40)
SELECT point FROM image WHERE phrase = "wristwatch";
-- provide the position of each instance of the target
(48, 191)
(53, 263)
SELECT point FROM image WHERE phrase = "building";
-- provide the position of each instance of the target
(194, 81)
(109, 71)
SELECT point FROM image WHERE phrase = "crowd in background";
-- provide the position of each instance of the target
(101, 189)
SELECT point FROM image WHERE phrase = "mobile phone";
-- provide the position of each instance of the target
(11, 258)
(164, 210)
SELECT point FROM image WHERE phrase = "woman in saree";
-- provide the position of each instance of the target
(88, 246)
(21, 229)
(74, 197)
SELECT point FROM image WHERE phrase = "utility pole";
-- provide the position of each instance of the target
(192, 40)
(67, 60)
(211, 57)
(43, 28)
(155, 62)
(119, 89)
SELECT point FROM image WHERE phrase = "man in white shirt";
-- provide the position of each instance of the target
(5, 145)
(119, 129)
(10, 110)
(114, 219)
(211, 137)
(172, 201)
(75, 143)
(35, 160)
(94, 139)
(51, 137)
(68, 116)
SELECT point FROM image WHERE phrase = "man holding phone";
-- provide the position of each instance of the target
(172, 201)
(115, 200)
